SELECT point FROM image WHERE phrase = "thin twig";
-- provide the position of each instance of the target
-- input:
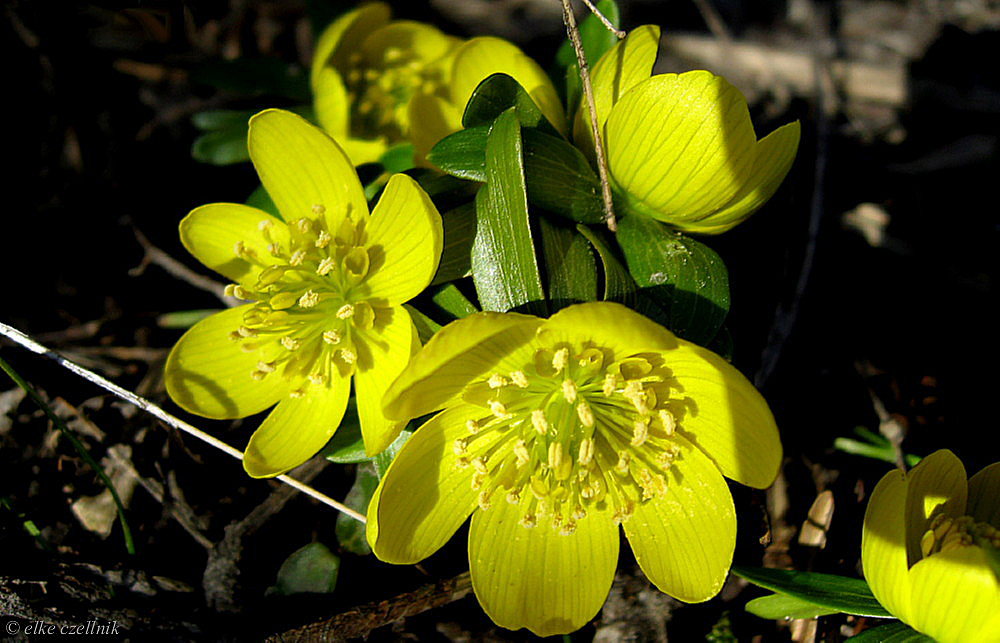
(175, 268)
(588, 93)
(20, 338)
(604, 21)
(713, 20)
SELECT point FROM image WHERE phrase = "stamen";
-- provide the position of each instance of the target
(555, 455)
(323, 240)
(514, 497)
(539, 422)
(348, 356)
(246, 332)
(521, 453)
(318, 209)
(484, 499)
(586, 455)
(326, 266)
(610, 384)
(667, 419)
(586, 415)
(560, 359)
(459, 447)
(345, 312)
(318, 379)
(265, 366)
(569, 390)
(297, 258)
(520, 379)
(497, 381)
(528, 521)
(472, 426)
(640, 432)
(274, 249)
(499, 410)
(304, 225)
(623, 461)
(239, 248)
(290, 343)
(264, 225)
(309, 299)
(331, 337)
(297, 393)
(479, 464)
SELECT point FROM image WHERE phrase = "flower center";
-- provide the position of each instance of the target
(310, 302)
(572, 432)
(946, 533)
(381, 89)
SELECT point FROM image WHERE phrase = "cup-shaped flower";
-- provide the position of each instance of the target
(434, 115)
(555, 432)
(366, 68)
(926, 548)
(680, 147)
(325, 287)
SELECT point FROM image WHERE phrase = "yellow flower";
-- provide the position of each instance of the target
(926, 544)
(325, 287)
(681, 148)
(365, 70)
(553, 433)
(434, 115)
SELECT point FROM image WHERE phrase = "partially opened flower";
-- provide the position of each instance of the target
(325, 287)
(434, 115)
(680, 147)
(365, 70)
(555, 432)
(927, 545)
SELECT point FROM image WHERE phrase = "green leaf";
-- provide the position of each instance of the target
(347, 446)
(504, 267)
(456, 254)
(872, 445)
(261, 200)
(310, 569)
(382, 460)
(462, 154)
(397, 158)
(840, 593)
(783, 606)
(222, 147)
(497, 94)
(596, 39)
(722, 344)
(683, 276)
(256, 77)
(560, 179)
(452, 303)
(426, 327)
(350, 532)
(571, 272)
(895, 632)
(184, 318)
(618, 284)
(219, 119)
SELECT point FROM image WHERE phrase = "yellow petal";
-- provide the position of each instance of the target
(211, 232)
(984, 495)
(724, 415)
(684, 541)
(619, 69)
(361, 150)
(775, 153)
(414, 40)
(333, 108)
(681, 145)
(208, 374)
(883, 545)
(937, 484)
(404, 241)
(480, 58)
(301, 167)
(956, 597)
(296, 429)
(423, 497)
(382, 354)
(458, 353)
(537, 578)
(344, 36)
(431, 119)
(608, 325)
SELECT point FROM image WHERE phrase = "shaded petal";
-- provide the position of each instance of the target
(681, 145)
(937, 484)
(984, 495)
(423, 497)
(211, 231)
(333, 107)
(296, 429)
(300, 166)
(431, 119)
(208, 374)
(956, 596)
(537, 578)
(344, 36)
(404, 241)
(416, 40)
(457, 354)
(608, 325)
(883, 545)
(619, 69)
(684, 541)
(775, 153)
(382, 354)
(724, 415)
(480, 58)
